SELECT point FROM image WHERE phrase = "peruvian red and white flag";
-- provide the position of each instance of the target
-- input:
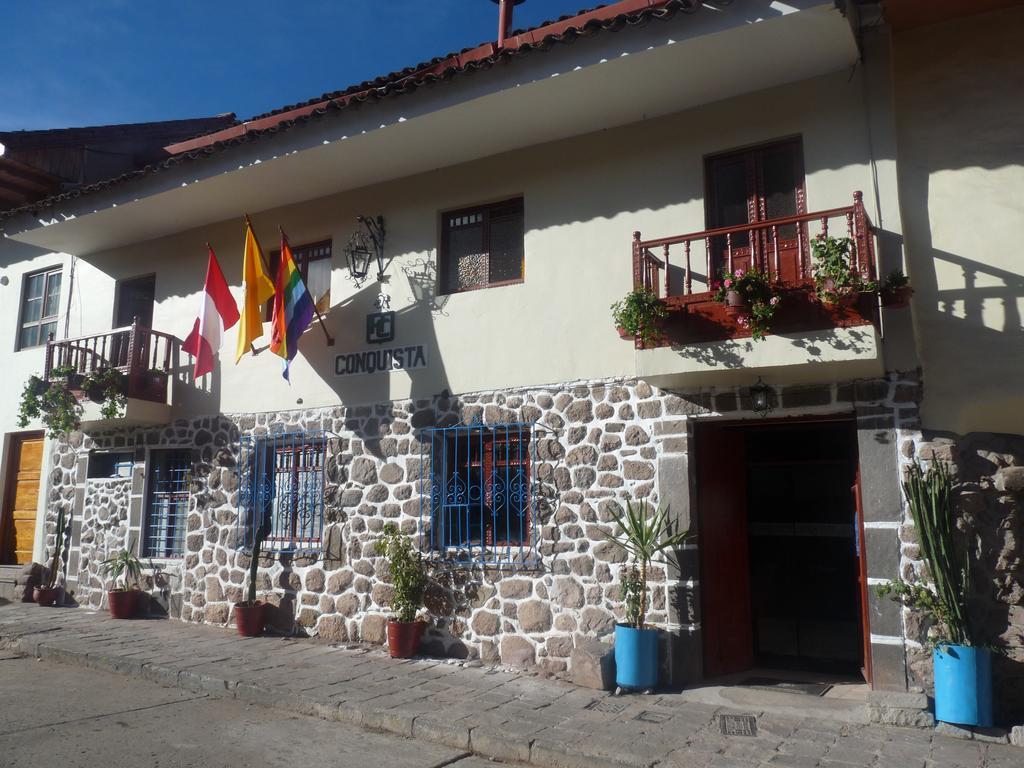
(217, 313)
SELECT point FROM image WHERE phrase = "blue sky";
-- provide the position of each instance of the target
(95, 62)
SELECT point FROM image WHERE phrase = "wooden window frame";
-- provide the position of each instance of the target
(444, 256)
(48, 273)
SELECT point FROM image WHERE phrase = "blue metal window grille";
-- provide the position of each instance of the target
(282, 478)
(170, 478)
(479, 506)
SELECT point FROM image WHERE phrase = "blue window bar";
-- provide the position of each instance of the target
(479, 505)
(282, 478)
(170, 478)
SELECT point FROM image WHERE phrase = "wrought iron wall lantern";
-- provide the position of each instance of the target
(365, 246)
(762, 398)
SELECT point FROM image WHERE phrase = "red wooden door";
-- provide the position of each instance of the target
(753, 187)
(723, 545)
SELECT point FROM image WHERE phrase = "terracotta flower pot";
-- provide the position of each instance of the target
(404, 638)
(735, 304)
(122, 603)
(48, 595)
(897, 298)
(250, 619)
(624, 334)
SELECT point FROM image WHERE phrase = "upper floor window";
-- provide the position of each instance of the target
(753, 186)
(282, 486)
(314, 263)
(40, 306)
(479, 499)
(482, 246)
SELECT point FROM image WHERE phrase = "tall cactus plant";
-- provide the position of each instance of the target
(58, 551)
(930, 498)
(259, 537)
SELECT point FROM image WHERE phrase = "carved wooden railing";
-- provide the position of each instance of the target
(779, 247)
(146, 357)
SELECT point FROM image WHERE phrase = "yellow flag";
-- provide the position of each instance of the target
(258, 288)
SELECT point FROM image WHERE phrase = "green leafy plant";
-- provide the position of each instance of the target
(254, 561)
(756, 290)
(107, 386)
(834, 279)
(895, 280)
(643, 536)
(51, 402)
(124, 566)
(406, 569)
(632, 594)
(58, 551)
(638, 315)
(930, 498)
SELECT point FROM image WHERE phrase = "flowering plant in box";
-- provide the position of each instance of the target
(750, 296)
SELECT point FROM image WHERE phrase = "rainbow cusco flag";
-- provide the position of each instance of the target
(293, 308)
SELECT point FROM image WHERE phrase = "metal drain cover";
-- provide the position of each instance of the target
(738, 725)
(605, 705)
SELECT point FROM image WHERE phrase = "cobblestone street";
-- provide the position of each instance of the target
(492, 712)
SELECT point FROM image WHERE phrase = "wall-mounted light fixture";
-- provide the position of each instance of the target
(761, 398)
(365, 246)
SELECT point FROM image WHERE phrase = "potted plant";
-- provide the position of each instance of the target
(963, 669)
(749, 297)
(409, 581)
(638, 316)
(896, 290)
(49, 593)
(52, 402)
(643, 536)
(123, 600)
(107, 387)
(251, 615)
(836, 283)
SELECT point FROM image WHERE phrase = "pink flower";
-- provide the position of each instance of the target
(738, 273)
(774, 301)
(728, 283)
(743, 322)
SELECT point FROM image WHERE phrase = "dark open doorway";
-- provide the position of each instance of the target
(781, 574)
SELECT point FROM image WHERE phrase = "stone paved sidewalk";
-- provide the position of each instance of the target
(495, 713)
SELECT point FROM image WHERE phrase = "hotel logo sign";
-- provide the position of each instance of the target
(381, 360)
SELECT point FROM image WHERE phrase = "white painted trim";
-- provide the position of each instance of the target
(886, 640)
(883, 525)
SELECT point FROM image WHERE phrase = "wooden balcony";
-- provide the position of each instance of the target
(148, 359)
(698, 334)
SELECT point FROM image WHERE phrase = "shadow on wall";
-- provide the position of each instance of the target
(960, 170)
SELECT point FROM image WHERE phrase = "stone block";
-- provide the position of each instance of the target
(592, 665)
(1017, 735)
(517, 651)
(898, 699)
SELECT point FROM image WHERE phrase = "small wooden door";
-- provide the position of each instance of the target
(18, 521)
(751, 187)
(135, 299)
(723, 545)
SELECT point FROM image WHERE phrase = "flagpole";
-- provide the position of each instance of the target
(323, 326)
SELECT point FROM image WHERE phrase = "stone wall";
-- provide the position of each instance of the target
(608, 441)
(104, 534)
(989, 488)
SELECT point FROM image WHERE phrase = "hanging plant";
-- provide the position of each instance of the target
(637, 315)
(748, 296)
(896, 290)
(52, 402)
(834, 280)
(107, 387)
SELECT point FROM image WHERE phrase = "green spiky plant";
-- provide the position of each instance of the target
(124, 566)
(930, 498)
(406, 569)
(58, 550)
(254, 562)
(643, 536)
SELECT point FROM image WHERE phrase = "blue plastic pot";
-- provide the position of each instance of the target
(636, 657)
(963, 685)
